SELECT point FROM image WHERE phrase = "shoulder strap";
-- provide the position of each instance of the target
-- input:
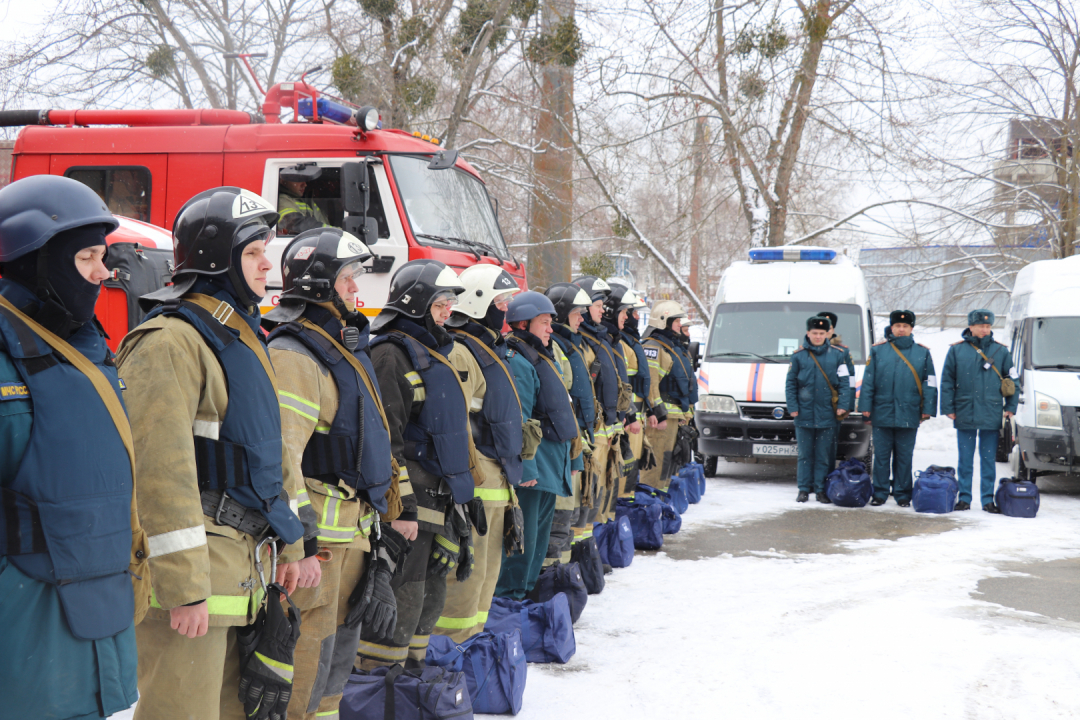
(225, 314)
(474, 343)
(987, 360)
(351, 359)
(87, 368)
(918, 382)
(835, 394)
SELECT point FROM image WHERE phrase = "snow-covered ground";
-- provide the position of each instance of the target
(877, 628)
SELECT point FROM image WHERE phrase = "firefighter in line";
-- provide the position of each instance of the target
(637, 368)
(837, 342)
(608, 385)
(545, 403)
(899, 391)
(476, 326)
(669, 388)
(567, 531)
(818, 395)
(429, 385)
(68, 531)
(617, 307)
(338, 438)
(216, 484)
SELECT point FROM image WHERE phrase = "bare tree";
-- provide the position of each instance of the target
(107, 52)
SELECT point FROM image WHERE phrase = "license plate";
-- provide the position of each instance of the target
(776, 450)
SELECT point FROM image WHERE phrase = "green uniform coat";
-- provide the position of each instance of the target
(807, 392)
(889, 391)
(971, 392)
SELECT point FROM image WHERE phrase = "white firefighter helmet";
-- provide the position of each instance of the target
(484, 284)
(663, 312)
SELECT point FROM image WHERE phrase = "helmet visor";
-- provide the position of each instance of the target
(257, 230)
(350, 271)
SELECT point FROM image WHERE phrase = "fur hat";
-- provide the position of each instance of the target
(980, 317)
(902, 316)
(818, 323)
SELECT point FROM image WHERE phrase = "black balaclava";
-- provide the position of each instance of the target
(234, 281)
(68, 299)
(495, 318)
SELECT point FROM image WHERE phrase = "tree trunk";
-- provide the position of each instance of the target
(698, 158)
(551, 211)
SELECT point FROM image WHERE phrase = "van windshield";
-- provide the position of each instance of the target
(447, 207)
(1055, 341)
(774, 330)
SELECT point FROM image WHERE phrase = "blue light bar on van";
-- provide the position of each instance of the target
(792, 255)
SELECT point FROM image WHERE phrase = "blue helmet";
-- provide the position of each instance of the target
(528, 305)
(37, 208)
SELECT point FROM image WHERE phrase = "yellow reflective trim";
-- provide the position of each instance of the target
(366, 523)
(413, 377)
(482, 617)
(405, 488)
(301, 413)
(419, 394)
(452, 547)
(285, 672)
(313, 406)
(234, 605)
(452, 623)
(492, 494)
(302, 499)
(329, 714)
(419, 641)
(322, 428)
(382, 652)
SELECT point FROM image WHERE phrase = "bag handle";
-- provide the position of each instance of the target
(918, 382)
(835, 394)
(390, 703)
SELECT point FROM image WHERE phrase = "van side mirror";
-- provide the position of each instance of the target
(355, 191)
(695, 353)
(443, 160)
(365, 228)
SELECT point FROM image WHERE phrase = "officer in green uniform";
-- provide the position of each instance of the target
(817, 395)
(899, 391)
(835, 340)
(971, 397)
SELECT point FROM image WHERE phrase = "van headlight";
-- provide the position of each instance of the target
(1047, 412)
(718, 404)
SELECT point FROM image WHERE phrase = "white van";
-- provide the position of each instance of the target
(1043, 331)
(759, 320)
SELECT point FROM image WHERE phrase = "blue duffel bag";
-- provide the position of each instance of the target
(559, 578)
(494, 666)
(699, 473)
(547, 632)
(433, 693)
(615, 541)
(677, 492)
(670, 517)
(850, 485)
(693, 487)
(1017, 498)
(646, 523)
(935, 490)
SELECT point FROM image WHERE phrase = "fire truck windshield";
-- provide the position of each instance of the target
(447, 207)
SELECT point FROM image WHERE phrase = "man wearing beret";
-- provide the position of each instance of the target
(818, 393)
(971, 395)
(899, 391)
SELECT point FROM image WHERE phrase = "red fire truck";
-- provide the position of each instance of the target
(319, 160)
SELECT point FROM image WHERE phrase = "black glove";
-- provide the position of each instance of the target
(266, 657)
(373, 602)
(648, 458)
(465, 560)
(659, 412)
(478, 516)
(444, 556)
(513, 531)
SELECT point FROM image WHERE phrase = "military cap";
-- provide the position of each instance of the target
(902, 316)
(980, 317)
(818, 323)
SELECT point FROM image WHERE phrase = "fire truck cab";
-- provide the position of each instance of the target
(401, 193)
